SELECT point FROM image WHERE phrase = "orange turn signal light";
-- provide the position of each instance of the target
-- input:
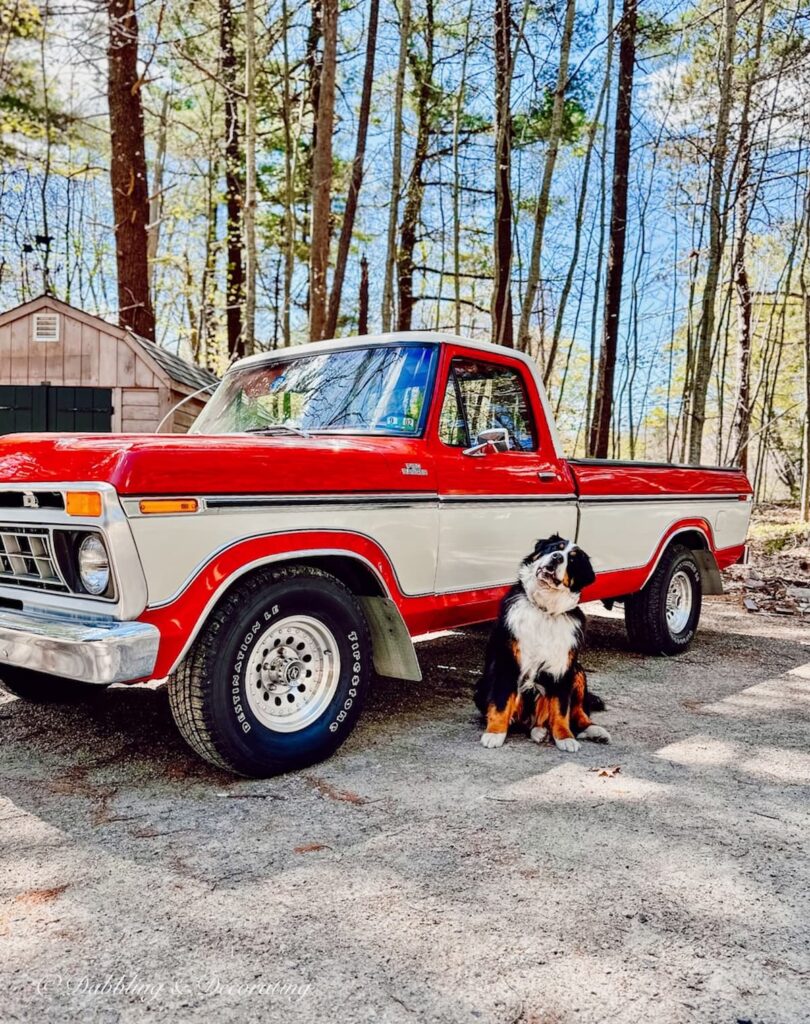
(83, 503)
(167, 506)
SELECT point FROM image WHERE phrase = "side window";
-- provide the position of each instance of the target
(479, 396)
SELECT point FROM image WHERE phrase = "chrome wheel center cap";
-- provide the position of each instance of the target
(292, 673)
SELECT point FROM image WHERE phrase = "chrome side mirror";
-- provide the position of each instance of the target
(496, 439)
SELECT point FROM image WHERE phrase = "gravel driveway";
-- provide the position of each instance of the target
(417, 876)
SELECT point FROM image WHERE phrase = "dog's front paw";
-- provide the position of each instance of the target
(594, 733)
(569, 745)
(493, 739)
(539, 734)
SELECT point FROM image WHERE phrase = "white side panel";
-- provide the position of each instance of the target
(481, 544)
(174, 547)
(731, 524)
(625, 535)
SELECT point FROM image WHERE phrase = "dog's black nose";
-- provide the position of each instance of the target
(556, 558)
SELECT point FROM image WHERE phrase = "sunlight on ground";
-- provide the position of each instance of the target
(574, 781)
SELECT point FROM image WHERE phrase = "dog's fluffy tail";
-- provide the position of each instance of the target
(593, 702)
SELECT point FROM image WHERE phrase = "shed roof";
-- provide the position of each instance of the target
(178, 369)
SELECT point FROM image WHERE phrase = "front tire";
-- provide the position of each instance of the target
(277, 677)
(43, 688)
(663, 617)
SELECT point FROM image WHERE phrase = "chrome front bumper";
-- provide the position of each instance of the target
(92, 650)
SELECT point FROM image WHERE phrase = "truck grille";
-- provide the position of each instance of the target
(27, 559)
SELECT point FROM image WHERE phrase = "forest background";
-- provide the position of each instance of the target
(618, 188)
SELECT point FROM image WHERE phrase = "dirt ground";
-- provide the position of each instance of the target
(417, 876)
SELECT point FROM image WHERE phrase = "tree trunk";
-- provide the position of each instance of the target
(717, 234)
(249, 213)
(805, 292)
(156, 199)
(458, 111)
(347, 227)
(128, 171)
(603, 408)
(502, 327)
(234, 269)
(422, 70)
(289, 179)
(742, 416)
(578, 220)
(387, 311)
(322, 176)
(541, 214)
(362, 313)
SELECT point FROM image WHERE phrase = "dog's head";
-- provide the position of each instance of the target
(555, 573)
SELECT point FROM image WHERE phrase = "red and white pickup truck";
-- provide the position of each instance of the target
(332, 501)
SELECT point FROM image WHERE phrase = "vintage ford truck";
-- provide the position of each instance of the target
(332, 501)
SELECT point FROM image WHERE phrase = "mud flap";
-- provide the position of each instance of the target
(393, 653)
(710, 579)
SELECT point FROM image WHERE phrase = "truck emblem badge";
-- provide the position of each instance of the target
(413, 469)
(30, 500)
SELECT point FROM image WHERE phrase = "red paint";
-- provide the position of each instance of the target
(647, 480)
(156, 464)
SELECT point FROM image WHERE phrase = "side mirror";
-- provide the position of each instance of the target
(495, 439)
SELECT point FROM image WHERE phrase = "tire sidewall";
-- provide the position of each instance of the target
(683, 562)
(248, 741)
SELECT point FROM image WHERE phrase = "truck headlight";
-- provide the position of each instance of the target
(94, 565)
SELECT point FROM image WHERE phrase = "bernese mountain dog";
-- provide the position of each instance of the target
(532, 673)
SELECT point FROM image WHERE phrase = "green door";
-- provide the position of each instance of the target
(83, 410)
(60, 409)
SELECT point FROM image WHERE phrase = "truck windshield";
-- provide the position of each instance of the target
(378, 390)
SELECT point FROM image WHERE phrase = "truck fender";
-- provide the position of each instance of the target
(392, 648)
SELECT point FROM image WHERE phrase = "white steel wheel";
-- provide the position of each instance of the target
(679, 602)
(292, 673)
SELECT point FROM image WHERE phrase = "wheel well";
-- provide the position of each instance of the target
(696, 541)
(392, 647)
(693, 539)
(359, 577)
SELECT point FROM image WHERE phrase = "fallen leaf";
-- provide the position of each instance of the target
(345, 796)
(609, 771)
(35, 896)
(311, 848)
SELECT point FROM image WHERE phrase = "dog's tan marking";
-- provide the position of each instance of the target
(557, 721)
(500, 720)
(579, 718)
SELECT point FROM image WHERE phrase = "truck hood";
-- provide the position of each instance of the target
(222, 464)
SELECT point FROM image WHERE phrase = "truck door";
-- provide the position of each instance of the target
(494, 505)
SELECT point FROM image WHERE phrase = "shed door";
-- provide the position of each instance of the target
(26, 409)
(80, 409)
(22, 409)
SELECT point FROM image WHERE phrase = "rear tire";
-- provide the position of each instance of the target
(663, 617)
(277, 677)
(42, 688)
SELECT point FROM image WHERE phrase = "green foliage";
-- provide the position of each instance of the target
(534, 125)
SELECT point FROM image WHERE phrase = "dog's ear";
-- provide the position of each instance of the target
(545, 542)
(580, 570)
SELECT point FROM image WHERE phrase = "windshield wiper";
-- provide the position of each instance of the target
(277, 428)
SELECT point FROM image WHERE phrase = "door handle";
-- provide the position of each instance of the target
(547, 475)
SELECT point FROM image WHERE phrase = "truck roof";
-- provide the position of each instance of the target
(391, 338)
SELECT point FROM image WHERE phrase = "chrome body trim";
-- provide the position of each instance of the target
(129, 582)
(85, 648)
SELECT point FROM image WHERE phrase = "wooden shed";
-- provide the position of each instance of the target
(62, 369)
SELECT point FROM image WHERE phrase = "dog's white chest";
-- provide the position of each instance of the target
(545, 640)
